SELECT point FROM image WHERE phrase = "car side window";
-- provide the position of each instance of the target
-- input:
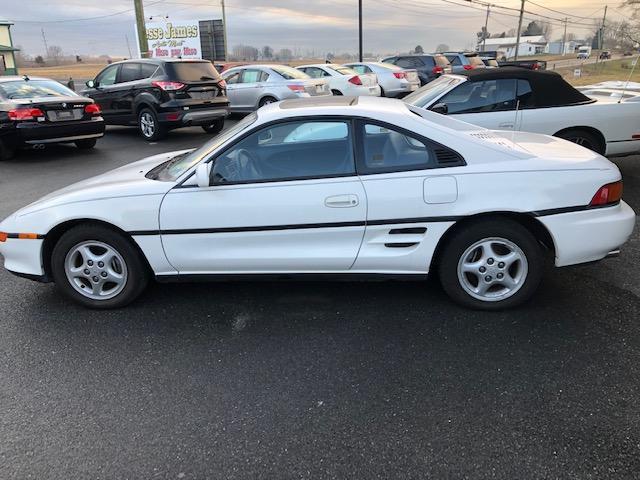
(251, 76)
(130, 72)
(147, 70)
(108, 76)
(389, 150)
(315, 72)
(525, 95)
(481, 97)
(359, 68)
(289, 151)
(233, 78)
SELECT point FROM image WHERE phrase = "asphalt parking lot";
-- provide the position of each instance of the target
(314, 380)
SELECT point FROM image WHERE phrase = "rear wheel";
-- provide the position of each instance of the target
(267, 101)
(215, 127)
(583, 138)
(7, 150)
(491, 265)
(86, 143)
(382, 94)
(149, 126)
(98, 267)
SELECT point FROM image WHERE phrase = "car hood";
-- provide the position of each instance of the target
(129, 180)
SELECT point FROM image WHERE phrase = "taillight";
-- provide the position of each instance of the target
(400, 74)
(355, 80)
(168, 86)
(296, 88)
(535, 66)
(607, 194)
(468, 67)
(3, 236)
(222, 84)
(20, 114)
(437, 69)
(93, 109)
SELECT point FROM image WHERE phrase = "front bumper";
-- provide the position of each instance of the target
(45, 132)
(589, 235)
(23, 257)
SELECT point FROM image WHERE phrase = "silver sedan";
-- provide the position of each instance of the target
(393, 80)
(249, 87)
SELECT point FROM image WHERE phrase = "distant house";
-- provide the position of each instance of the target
(7, 51)
(529, 45)
(570, 47)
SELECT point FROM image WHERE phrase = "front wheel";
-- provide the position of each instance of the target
(266, 101)
(98, 267)
(215, 127)
(491, 265)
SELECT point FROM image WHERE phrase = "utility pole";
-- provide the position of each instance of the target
(519, 29)
(486, 23)
(46, 47)
(224, 31)
(564, 37)
(142, 30)
(604, 18)
(359, 30)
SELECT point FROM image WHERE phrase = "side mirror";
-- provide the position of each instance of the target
(203, 172)
(440, 108)
(91, 84)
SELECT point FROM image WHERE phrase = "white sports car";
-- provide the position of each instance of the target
(333, 185)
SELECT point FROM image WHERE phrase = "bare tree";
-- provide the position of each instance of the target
(55, 54)
(267, 52)
(285, 54)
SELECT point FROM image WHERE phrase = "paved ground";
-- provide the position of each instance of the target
(314, 380)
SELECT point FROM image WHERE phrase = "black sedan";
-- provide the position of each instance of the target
(39, 111)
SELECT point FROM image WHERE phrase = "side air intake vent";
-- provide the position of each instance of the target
(448, 158)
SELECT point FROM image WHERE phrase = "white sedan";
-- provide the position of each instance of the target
(344, 80)
(331, 186)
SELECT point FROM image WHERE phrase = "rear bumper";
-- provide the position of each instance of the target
(589, 235)
(197, 116)
(34, 132)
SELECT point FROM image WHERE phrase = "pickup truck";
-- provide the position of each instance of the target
(517, 99)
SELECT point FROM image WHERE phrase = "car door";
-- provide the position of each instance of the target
(124, 91)
(490, 103)
(408, 198)
(233, 81)
(103, 91)
(285, 198)
(250, 88)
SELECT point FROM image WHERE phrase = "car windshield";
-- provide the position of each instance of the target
(174, 168)
(34, 89)
(432, 90)
(289, 73)
(193, 71)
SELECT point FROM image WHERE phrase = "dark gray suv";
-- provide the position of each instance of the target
(428, 66)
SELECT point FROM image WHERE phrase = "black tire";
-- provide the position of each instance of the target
(157, 130)
(382, 94)
(266, 100)
(584, 138)
(337, 92)
(489, 230)
(86, 144)
(215, 127)
(135, 281)
(7, 151)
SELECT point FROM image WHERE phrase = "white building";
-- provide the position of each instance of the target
(506, 47)
(570, 47)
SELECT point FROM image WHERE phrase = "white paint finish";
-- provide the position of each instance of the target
(441, 189)
(341, 83)
(266, 204)
(588, 236)
(514, 172)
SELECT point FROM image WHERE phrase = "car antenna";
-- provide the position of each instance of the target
(634, 63)
(515, 121)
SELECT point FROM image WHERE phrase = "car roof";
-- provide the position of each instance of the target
(13, 78)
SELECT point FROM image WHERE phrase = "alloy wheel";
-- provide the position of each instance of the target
(96, 270)
(492, 269)
(147, 124)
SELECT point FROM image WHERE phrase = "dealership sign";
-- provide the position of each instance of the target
(178, 39)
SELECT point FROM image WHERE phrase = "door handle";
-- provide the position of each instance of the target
(505, 125)
(341, 201)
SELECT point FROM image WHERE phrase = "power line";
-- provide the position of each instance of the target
(86, 18)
